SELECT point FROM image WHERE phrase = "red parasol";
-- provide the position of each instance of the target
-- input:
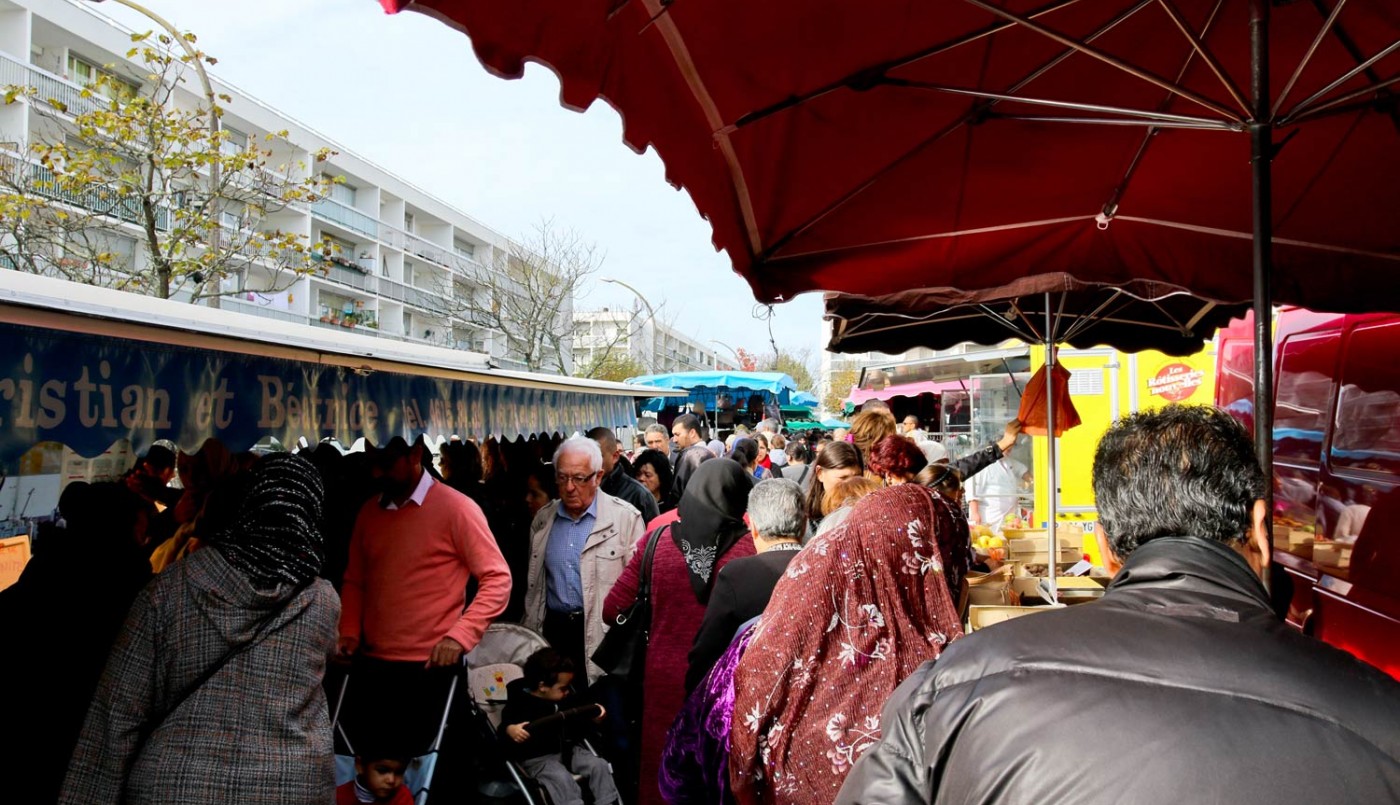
(873, 148)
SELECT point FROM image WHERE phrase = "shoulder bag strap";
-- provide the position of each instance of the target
(644, 588)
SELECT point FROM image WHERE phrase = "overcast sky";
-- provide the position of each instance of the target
(407, 93)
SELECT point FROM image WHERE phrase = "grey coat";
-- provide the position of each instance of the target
(212, 694)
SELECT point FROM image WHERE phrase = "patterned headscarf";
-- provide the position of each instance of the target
(858, 609)
(276, 536)
(711, 519)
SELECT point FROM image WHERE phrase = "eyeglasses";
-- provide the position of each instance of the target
(576, 480)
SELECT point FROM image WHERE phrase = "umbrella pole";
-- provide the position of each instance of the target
(1261, 142)
(1052, 533)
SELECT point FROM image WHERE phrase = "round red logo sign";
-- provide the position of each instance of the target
(1176, 382)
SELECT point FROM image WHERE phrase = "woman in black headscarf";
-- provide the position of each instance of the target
(689, 554)
(212, 692)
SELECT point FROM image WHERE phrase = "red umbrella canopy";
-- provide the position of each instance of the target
(870, 148)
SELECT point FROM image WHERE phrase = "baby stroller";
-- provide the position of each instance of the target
(418, 777)
(496, 662)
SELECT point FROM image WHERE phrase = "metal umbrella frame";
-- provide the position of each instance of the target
(722, 94)
(1172, 320)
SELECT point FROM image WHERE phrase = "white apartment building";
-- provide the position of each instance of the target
(402, 260)
(654, 345)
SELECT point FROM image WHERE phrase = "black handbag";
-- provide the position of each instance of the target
(623, 651)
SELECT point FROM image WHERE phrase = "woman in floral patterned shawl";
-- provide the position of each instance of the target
(859, 609)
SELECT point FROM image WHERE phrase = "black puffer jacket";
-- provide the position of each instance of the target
(1178, 686)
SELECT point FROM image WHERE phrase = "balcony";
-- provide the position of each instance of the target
(263, 311)
(409, 295)
(352, 219)
(125, 208)
(54, 92)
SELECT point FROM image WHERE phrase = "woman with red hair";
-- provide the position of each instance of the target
(895, 460)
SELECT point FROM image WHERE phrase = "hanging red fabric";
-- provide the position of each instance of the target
(1032, 413)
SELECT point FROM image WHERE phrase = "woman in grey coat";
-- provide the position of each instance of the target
(212, 692)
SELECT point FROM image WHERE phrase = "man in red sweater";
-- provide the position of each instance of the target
(413, 550)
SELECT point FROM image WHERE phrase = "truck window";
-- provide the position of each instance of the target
(1304, 397)
(1368, 407)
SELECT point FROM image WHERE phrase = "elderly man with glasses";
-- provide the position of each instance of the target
(579, 545)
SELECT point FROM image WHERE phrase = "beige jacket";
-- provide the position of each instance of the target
(616, 532)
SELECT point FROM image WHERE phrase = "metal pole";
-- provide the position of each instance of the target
(1261, 141)
(651, 318)
(1052, 541)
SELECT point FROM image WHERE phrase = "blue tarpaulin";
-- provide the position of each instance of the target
(705, 387)
(88, 393)
(806, 398)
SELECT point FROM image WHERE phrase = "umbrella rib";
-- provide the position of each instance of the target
(1200, 314)
(1345, 77)
(970, 114)
(680, 53)
(1003, 321)
(1111, 61)
(863, 76)
(1307, 57)
(1111, 121)
(934, 236)
(1079, 325)
(1340, 104)
(1228, 233)
(1209, 58)
(1071, 105)
(1110, 208)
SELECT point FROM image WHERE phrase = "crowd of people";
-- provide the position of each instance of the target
(800, 589)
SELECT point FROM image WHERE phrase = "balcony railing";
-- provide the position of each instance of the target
(113, 204)
(255, 309)
(67, 95)
(348, 217)
(399, 292)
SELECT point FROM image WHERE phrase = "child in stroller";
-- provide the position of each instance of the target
(379, 778)
(542, 729)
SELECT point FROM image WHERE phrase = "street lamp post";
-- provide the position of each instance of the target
(209, 95)
(651, 317)
(738, 364)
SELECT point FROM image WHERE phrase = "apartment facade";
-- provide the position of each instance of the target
(393, 261)
(655, 346)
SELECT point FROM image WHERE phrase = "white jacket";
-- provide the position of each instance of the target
(617, 530)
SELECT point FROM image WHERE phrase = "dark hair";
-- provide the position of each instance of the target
(1183, 470)
(797, 451)
(745, 452)
(159, 457)
(942, 478)
(544, 667)
(835, 456)
(544, 476)
(898, 456)
(660, 464)
(464, 459)
(687, 422)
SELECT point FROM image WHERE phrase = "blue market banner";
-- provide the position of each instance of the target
(87, 392)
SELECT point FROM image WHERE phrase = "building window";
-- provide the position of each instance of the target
(235, 142)
(341, 192)
(408, 223)
(464, 248)
(88, 74)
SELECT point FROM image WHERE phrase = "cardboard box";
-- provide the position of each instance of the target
(980, 617)
(1331, 554)
(14, 555)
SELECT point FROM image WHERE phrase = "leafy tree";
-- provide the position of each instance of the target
(614, 365)
(841, 383)
(129, 153)
(795, 365)
(748, 362)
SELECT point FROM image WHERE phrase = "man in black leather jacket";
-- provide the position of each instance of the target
(1180, 685)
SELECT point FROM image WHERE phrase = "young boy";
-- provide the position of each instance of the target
(378, 779)
(539, 727)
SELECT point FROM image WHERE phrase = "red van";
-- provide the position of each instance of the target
(1336, 469)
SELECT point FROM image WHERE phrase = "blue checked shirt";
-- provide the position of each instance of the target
(564, 590)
